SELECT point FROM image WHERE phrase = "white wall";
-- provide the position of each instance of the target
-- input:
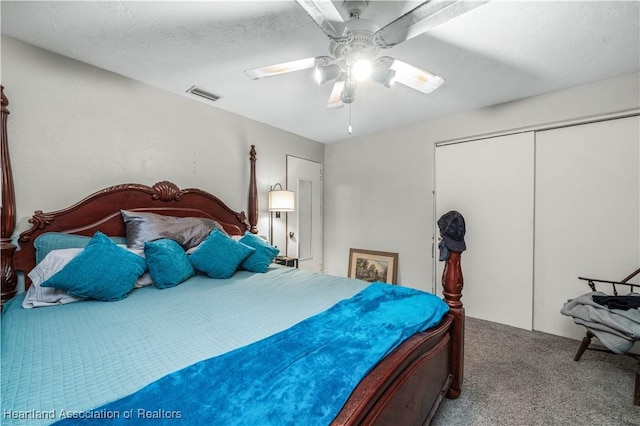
(74, 129)
(378, 188)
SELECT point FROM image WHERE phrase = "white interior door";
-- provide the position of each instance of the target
(587, 214)
(304, 226)
(490, 182)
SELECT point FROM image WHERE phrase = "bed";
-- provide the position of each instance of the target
(197, 342)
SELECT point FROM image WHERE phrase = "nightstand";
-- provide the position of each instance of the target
(287, 261)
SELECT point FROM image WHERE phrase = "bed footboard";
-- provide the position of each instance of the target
(407, 387)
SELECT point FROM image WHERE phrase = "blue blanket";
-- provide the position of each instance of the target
(302, 375)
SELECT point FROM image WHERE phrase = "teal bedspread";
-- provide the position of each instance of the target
(71, 358)
(275, 381)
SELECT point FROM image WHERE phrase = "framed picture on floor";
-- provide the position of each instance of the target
(372, 266)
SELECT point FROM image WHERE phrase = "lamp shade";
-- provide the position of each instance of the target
(282, 201)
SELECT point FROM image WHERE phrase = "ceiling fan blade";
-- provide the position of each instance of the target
(325, 14)
(271, 70)
(414, 77)
(335, 100)
(422, 18)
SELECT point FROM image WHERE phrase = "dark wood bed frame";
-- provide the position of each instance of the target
(405, 388)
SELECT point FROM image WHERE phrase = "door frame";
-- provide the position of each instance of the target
(321, 207)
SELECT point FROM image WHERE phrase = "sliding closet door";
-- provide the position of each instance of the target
(587, 213)
(490, 182)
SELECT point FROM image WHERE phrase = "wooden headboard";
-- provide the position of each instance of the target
(100, 211)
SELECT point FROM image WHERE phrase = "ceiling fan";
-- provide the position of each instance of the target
(355, 43)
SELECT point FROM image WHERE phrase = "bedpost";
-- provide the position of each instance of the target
(452, 283)
(7, 212)
(253, 192)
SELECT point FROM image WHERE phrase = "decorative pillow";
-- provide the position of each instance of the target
(263, 255)
(168, 263)
(102, 271)
(219, 255)
(38, 296)
(187, 231)
(53, 262)
(49, 241)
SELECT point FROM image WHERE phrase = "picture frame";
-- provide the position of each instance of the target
(372, 265)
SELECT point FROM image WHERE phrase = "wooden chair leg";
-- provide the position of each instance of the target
(586, 341)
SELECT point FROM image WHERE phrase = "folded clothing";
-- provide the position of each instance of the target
(618, 302)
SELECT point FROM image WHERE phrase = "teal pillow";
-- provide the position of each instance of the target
(219, 255)
(263, 255)
(101, 271)
(168, 263)
(49, 241)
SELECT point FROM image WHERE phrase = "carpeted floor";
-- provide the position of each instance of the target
(520, 377)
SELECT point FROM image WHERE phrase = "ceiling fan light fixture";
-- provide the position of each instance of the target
(324, 73)
(348, 94)
(391, 78)
(361, 69)
(386, 77)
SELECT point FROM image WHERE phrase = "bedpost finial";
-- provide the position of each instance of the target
(252, 153)
(5, 101)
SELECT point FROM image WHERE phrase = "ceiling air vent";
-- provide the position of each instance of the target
(198, 91)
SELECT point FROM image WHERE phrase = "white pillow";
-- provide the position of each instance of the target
(38, 296)
(53, 262)
(145, 279)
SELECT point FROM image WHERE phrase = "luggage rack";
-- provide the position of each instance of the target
(624, 281)
(586, 341)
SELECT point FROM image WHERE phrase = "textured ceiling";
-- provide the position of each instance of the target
(501, 51)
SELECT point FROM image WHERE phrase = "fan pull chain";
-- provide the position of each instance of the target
(350, 128)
